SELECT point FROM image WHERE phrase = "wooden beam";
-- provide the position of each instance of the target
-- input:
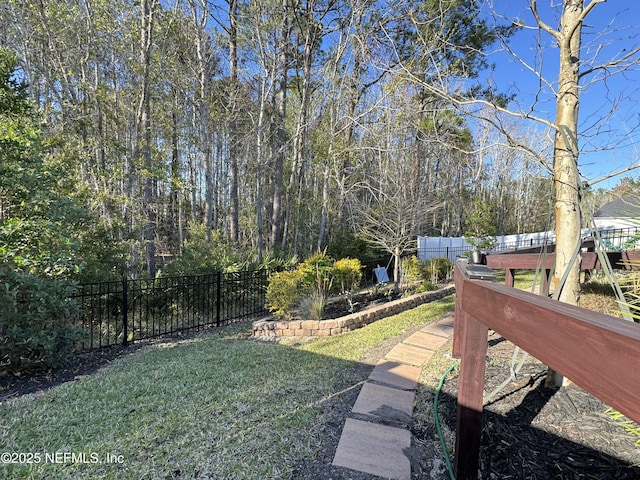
(598, 352)
(590, 261)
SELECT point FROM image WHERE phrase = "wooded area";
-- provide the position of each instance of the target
(264, 127)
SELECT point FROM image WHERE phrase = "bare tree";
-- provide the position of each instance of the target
(574, 69)
(387, 216)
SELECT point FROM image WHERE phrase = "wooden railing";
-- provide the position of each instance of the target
(598, 352)
(510, 262)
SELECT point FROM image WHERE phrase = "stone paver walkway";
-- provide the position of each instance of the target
(377, 439)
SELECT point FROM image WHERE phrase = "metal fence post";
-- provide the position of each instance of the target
(218, 296)
(125, 309)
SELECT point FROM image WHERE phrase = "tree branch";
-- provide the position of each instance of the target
(614, 63)
(611, 175)
(551, 31)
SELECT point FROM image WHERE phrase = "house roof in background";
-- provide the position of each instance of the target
(623, 207)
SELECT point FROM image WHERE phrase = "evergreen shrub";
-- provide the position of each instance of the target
(284, 291)
(36, 321)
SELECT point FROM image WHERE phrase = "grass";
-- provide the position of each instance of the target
(214, 406)
(524, 279)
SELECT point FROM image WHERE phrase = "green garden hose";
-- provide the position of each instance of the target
(437, 421)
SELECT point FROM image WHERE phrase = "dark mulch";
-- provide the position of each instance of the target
(80, 365)
(339, 306)
(533, 432)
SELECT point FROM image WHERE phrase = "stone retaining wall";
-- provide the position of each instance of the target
(269, 329)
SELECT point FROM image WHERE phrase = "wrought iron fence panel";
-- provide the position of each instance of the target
(126, 311)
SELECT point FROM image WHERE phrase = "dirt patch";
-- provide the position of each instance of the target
(337, 307)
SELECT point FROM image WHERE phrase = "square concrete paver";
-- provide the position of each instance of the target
(396, 374)
(426, 340)
(409, 354)
(441, 329)
(447, 321)
(376, 449)
(386, 403)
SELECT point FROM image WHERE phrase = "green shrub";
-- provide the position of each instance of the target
(36, 321)
(437, 269)
(347, 273)
(425, 287)
(412, 268)
(202, 256)
(284, 291)
(316, 272)
(308, 285)
(433, 270)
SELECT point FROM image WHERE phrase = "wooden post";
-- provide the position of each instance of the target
(509, 277)
(470, 345)
(470, 395)
(458, 278)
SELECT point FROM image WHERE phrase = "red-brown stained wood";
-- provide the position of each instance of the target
(458, 279)
(598, 352)
(473, 343)
(517, 261)
(590, 261)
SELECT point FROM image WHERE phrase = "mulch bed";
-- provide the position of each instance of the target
(533, 432)
(338, 307)
(80, 365)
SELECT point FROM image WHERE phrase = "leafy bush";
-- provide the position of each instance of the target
(433, 270)
(317, 272)
(346, 244)
(347, 273)
(425, 287)
(36, 315)
(309, 284)
(40, 219)
(284, 291)
(200, 256)
(276, 263)
(438, 269)
(412, 268)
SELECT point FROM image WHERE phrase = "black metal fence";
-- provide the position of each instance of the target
(127, 311)
(621, 239)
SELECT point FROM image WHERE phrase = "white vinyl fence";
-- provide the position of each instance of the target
(451, 247)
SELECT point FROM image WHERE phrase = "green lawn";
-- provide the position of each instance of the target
(215, 406)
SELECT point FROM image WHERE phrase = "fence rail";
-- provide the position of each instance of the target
(600, 353)
(126, 311)
(618, 239)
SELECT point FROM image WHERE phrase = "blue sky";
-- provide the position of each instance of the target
(610, 105)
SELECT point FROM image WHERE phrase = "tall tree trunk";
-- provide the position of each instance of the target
(200, 14)
(148, 8)
(296, 179)
(259, 172)
(324, 215)
(565, 167)
(280, 140)
(175, 228)
(233, 123)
